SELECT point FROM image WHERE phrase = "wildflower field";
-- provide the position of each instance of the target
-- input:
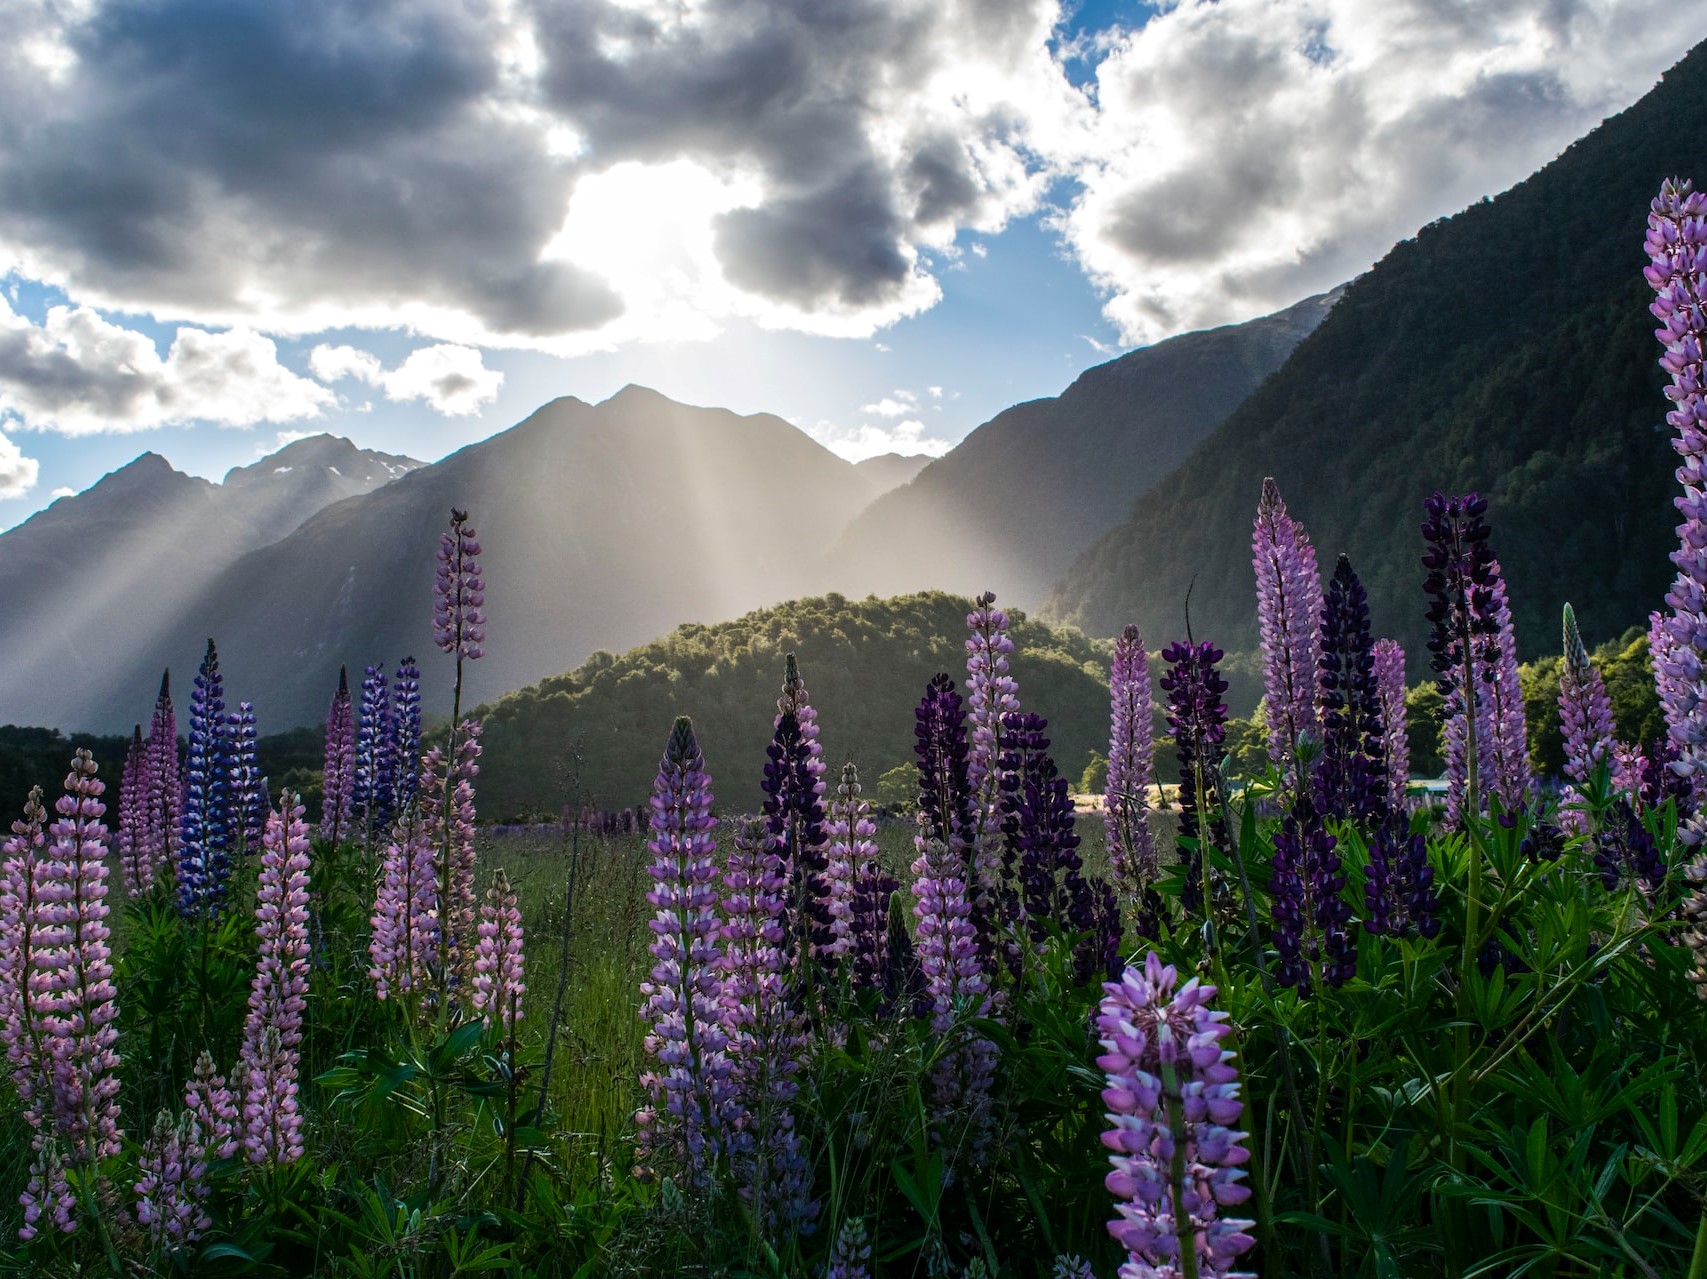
(1303, 1025)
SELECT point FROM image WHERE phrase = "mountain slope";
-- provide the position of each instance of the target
(1508, 350)
(1012, 505)
(865, 663)
(602, 525)
(891, 470)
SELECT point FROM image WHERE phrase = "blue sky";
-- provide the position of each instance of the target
(227, 222)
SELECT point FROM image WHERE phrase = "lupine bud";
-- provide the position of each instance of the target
(204, 859)
(1131, 768)
(991, 694)
(850, 1258)
(1395, 741)
(498, 984)
(1585, 712)
(1289, 604)
(459, 625)
(340, 772)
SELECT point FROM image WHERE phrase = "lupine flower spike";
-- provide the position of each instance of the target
(248, 788)
(1289, 603)
(131, 842)
(1585, 714)
(370, 786)
(165, 792)
(1395, 743)
(404, 752)
(991, 694)
(498, 984)
(859, 890)
(340, 762)
(1351, 780)
(1503, 724)
(850, 1258)
(459, 592)
(1464, 631)
(404, 943)
(204, 860)
(1131, 768)
(793, 807)
(1173, 1101)
(1198, 718)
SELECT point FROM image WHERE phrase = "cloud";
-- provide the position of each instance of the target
(63, 491)
(17, 472)
(895, 404)
(870, 439)
(80, 374)
(453, 380)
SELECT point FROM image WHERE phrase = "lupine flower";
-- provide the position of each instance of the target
(168, 1204)
(272, 1030)
(1074, 1267)
(23, 874)
(1629, 762)
(404, 944)
(1172, 1098)
(165, 791)
(1503, 722)
(1398, 884)
(1312, 923)
(213, 1108)
(1131, 768)
(850, 1257)
(793, 807)
(1198, 718)
(859, 890)
(404, 753)
(1395, 741)
(945, 798)
(248, 788)
(687, 1124)
(370, 791)
(1463, 635)
(459, 625)
(204, 858)
(131, 844)
(498, 984)
(456, 850)
(340, 772)
(1625, 846)
(991, 694)
(1289, 604)
(903, 983)
(1351, 780)
(1585, 712)
(767, 1041)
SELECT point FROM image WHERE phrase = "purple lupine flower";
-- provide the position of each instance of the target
(1312, 923)
(272, 1030)
(167, 1204)
(498, 983)
(945, 798)
(248, 787)
(370, 793)
(404, 943)
(456, 845)
(131, 838)
(1071, 1267)
(1172, 1098)
(23, 873)
(793, 786)
(1289, 604)
(204, 857)
(1131, 768)
(1501, 706)
(164, 787)
(459, 625)
(687, 1124)
(340, 772)
(404, 752)
(1585, 714)
(991, 695)
(767, 1040)
(850, 1256)
(1398, 885)
(859, 889)
(1198, 718)
(1463, 637)
(1395, 741)
(1625, 846)
(212, 1108)
(1351, 781)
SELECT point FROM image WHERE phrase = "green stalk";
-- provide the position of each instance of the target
(1698, 1263)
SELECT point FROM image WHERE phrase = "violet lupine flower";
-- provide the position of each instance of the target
(248, 787)
(272, 1031)
(1463, 636)
(859, 890)
(340, 771)
(404, 943)
(165, 791)
(1395, 740)
(459, 625)
(1625, 846)
(1071, 1267)
(991, 694)
(1351, 781)
(23, 873)
(212, 1108)
(204, 857)
(498, 984)
(793, 807)
(1131, 768)
(767, 1040)
(456, 845)
(1172, 1098)
(945, 797)
(687, 1125)
(1585, 714)
(1398, 885)
(1312, 923)
(168, 1204)
(850, 1256)
(1198, 718)
(1503, 722)
(370, 796)
(1289, 604)
(131, 843)
(404, 751)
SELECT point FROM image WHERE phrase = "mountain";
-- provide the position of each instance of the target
(891, 470)
(601, 525)
(92, 575)
(1507, 350)
(1012, 505)
(865, 664)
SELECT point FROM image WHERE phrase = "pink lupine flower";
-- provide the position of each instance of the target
(459, 898)
(459, 625)
(213, 1108)
(340, 774)
(164, 799)
(171, 1194)
(1172, 1098)
(854, 865)
(498, 985)
(1390, 682)
(1585, 714)
(404, 943)
(1500, 706)
(1289, 602)
(131, 842)
(1131, 768)
(272, 1031)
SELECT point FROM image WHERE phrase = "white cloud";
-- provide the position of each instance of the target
(63, 491)
(80, 374)
(453, 380)
(895, 404)
(935, 392)
(872, 439)
(17, 472)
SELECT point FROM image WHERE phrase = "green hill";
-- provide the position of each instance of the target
(865, 663)
(1508, 349)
